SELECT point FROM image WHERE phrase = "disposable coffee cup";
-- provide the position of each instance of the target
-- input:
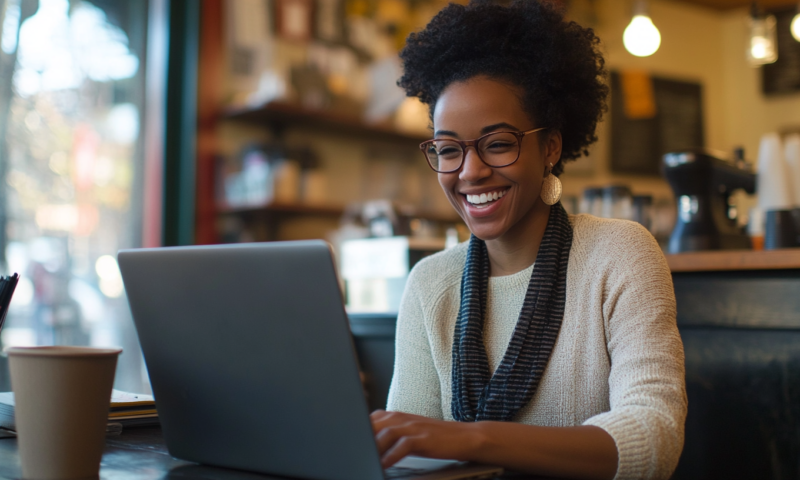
(62, 397)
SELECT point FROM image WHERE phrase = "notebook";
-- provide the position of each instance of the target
(252, 363)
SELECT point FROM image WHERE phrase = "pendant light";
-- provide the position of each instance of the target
(763, 45)
(641, 37)
(796, 24)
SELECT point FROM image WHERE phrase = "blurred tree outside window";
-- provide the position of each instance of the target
(71, 104)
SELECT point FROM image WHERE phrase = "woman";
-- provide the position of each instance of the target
(551, 339)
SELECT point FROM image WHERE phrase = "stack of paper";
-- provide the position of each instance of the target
(132, 409)
(7, 410)
(127, 409)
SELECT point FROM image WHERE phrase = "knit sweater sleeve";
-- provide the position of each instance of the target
(415, 383)
(646, 384)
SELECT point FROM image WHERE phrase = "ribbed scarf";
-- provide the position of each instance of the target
(477, 394)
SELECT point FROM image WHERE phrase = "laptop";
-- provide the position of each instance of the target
(252, 364)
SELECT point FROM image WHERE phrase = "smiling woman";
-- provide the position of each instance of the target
(547, 343)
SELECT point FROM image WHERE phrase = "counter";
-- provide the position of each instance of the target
(735, 260)
(739, 318)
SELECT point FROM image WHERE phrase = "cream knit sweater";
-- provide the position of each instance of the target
(618, 360)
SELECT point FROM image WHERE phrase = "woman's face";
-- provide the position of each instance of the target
(467, 110)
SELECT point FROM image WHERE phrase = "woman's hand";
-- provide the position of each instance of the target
(401, 434)
(573, 452)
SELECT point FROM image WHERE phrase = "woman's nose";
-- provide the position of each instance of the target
(473, 168)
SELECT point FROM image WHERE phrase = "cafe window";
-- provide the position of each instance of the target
(71, 160)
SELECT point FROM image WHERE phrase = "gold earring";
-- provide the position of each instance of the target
(551, 188)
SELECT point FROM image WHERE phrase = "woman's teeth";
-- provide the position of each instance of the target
(485, 197)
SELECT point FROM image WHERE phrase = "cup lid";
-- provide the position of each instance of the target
(62, 351)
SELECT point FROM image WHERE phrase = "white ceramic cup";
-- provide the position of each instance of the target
(62, 397)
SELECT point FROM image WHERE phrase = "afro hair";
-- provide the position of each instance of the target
(556, 64)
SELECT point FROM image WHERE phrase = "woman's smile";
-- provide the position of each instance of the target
(484, 204)
(484, 198)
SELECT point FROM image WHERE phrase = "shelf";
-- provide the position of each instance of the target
(327, 210)
(283, 114)
(432, 244)
(450, 217)
(288, 208)
(731, 260)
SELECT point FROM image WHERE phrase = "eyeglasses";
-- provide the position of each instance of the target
(496, 149)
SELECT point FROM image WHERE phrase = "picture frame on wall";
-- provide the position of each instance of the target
(294, 19)
(643, 131)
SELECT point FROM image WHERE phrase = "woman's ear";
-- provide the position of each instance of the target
(552, 147)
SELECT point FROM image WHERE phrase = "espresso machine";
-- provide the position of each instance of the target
(702, 182)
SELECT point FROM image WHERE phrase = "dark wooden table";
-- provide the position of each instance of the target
(140, 453)
(136, 453)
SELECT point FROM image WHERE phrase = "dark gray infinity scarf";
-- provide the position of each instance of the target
(477, 394)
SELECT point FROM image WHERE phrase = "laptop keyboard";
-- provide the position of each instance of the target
(403, 472)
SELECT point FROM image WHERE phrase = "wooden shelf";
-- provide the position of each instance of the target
(326, 210)
(288, 208)
(283, 114)
(432, 244)
(449, 217)
(731, 260)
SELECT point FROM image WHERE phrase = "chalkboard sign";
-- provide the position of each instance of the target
(637, 144)
(783, 76)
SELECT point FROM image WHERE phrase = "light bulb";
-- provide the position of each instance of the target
(759, 48)
(763, 46)
(796, 26)
(641, 37)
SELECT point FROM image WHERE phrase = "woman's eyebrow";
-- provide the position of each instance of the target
(503, 125)
(484, 130)
(445, 132)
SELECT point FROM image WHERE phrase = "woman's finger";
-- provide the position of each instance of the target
(381, 420)
(388, 436)
(377, 414)
(377, 418)
(401, 449)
